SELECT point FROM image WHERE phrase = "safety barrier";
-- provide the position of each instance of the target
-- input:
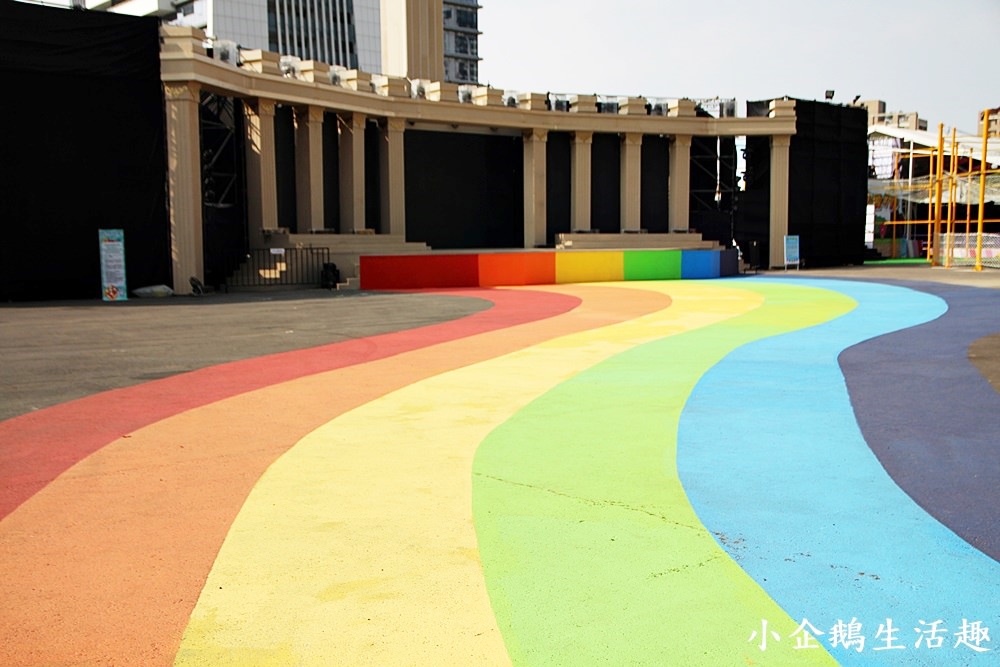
(960, 249)
(268, 267)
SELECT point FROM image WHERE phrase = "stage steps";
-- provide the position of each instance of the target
(633, 241)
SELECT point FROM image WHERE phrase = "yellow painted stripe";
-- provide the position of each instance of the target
(358, 546)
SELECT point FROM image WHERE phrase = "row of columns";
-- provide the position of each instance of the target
(183, 102)
(580, 201)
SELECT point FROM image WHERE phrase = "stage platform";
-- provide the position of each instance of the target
(542, 267)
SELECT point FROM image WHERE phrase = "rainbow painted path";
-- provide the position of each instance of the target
(729, 472)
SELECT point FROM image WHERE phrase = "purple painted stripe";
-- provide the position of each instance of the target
(930, 416)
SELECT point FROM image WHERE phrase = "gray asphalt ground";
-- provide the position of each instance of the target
(54, 352)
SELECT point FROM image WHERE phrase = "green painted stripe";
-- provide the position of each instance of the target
(591, 551)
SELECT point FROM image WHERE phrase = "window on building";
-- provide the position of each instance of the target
(467, 18)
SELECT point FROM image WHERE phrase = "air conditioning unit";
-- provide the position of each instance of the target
(226, 51)
(335, 73)
(290, 66)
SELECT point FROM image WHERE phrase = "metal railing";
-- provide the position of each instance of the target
(960, 249)
(279, 267)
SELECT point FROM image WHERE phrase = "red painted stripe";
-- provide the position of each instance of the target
(39, 446)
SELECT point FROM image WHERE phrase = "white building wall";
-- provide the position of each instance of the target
(193, 15)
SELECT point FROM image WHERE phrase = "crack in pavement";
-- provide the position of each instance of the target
(595, 503)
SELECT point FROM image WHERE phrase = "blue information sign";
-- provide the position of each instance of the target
(112, 244)
(792, 251)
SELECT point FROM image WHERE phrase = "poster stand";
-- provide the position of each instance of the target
(792, 252)
(112, 244)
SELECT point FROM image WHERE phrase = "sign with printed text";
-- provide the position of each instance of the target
(792, 250)
(112, 244)
(870, 226)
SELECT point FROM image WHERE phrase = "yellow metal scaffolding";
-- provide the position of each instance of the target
(954, 186)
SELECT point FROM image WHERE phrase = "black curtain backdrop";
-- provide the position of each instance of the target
(464, 190)
(605, 183)
(558, 187)
(654, 193)
(82, 146)
(827, 184)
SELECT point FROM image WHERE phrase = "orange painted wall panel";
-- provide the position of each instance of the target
(524, 268)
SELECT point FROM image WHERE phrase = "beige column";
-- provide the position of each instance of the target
(352, 172)
(184, 183)
(580, 185)
(631, 179)
(680, 183)
(393, 179)
(779, 198)
(262, 189)
(535, 203)
(309, 168)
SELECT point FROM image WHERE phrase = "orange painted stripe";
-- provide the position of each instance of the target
(105, 564)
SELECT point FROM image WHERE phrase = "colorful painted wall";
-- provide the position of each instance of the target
(542, 268)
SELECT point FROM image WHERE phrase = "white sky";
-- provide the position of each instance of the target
(753, 50)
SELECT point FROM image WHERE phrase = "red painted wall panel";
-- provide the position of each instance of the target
(419, 271)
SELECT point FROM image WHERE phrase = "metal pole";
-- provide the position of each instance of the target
(909, 191)
(952, 191)
(931, 170)
(893, 246)
(938, 178)
(982, 190)
(968, 205)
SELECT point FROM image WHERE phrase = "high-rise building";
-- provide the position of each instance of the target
(417, 39)
(431, 39)
(337, 32)
(461, 41)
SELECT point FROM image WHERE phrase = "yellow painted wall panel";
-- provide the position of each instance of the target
(586, 267)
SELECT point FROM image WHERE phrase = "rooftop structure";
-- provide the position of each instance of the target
(877, 115)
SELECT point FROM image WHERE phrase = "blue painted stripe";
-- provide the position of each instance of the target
(772, 459)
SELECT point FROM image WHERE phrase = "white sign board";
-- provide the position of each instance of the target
(870, 226)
